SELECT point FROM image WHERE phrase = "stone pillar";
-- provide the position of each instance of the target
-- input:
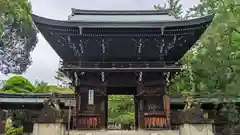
(51, 119)
(196, 129)
(193, 121)
(49, 128)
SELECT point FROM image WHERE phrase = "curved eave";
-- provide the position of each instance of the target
(49, 26)
(175, 23)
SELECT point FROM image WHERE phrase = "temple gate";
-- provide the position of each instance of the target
(103, 51)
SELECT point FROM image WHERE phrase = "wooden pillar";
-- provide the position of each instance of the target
(103, 110)
(153, 108)
(78, 102)
(106, 112)
(83, 111)
(166, 104)
(136, 107)
(77, 107)
(92, 116)
(141, 114)
(140, 108)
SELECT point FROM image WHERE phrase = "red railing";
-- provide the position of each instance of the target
(87, 122)
(154, 122)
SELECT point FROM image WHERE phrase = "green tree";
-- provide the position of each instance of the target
(41, 87)
(62, 78)
(59, 89)
(18, 84)
(174, 6)
(212, 65)
(18, 36)
(119, 111)
(12, 10)
(11, 128)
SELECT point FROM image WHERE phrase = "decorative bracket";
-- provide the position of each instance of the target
(161, 45)
(140, 44)
(140, 76)
(102, 76)
(62, 41)
(163, 48)
(171, 45)
(103, 44)
(167, 76)
(82, 44)
(71, 45)
(181, 38)
(74, 48)
(76, 79)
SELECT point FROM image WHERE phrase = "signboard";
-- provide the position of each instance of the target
(91, 97)
(154, 108)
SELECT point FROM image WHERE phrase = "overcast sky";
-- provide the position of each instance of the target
(45, 60)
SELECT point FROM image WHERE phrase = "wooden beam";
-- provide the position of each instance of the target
(157, 69)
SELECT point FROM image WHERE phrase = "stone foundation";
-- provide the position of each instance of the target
(59, 129)
(49, 129)
(122, 132)
(196, 129)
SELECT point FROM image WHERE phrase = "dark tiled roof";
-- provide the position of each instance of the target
(32, 98)
(39, 98)
(34, 95)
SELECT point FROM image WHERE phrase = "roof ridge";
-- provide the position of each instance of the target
(119, 12)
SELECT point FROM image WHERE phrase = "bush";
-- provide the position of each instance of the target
(14, 131)
(10, 130)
